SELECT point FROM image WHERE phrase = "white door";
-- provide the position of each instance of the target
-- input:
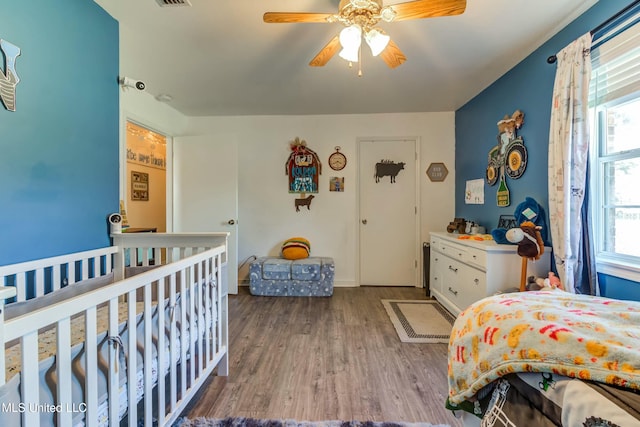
(388, 212)
(205, 191)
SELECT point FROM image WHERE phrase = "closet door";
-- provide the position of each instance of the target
(205, 191)
(388, 211)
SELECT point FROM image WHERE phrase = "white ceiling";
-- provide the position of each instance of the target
(217, 57)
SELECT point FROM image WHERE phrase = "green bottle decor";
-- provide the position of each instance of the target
(503, 193)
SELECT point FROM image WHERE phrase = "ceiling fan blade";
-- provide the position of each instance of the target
(293, 17)
(326, 53)
(392, 55)
(428, 9)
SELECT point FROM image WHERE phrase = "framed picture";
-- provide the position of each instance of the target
(336, 183)
(139, 186)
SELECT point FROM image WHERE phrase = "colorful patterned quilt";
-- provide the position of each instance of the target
(578, 336)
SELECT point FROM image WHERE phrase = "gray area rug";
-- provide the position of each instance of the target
(252, 422)
(420, 321)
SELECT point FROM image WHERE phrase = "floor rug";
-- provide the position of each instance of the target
(252, 422)
(420, 321)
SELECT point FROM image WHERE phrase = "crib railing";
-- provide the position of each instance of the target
(188, 264)
(32, 279)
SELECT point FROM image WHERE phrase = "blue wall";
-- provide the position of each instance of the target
(527, 87)
(59, 151)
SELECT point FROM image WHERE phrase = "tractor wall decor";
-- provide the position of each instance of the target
(509, 157)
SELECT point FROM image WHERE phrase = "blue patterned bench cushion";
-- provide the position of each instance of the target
(273, 276)
(276, 269)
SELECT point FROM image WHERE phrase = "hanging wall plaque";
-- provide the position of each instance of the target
(9, 78)
(303, 168)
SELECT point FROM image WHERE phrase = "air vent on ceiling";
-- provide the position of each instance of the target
(168, 3)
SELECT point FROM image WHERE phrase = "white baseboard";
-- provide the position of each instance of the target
(345, 284)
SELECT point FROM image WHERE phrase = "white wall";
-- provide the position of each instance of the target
(267, 214)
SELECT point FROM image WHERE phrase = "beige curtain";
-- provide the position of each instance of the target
(568, 161)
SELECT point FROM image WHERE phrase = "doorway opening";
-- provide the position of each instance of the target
(145, 195)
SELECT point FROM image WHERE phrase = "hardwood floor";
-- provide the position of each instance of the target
(326, 359)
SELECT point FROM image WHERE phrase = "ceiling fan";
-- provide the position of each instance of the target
(360, 18)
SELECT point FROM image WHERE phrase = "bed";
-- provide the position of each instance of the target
(546, 358)
(122, 335)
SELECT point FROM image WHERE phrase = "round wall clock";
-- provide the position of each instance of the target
(337, 160)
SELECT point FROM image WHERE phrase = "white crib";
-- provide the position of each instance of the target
(71, 357)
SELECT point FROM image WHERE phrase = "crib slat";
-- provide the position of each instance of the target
(29, 381)
(161, 353)
(63, 365)
(132, 361)
(207, 310)
(222, 320)
(148, 357)
(21, 286)
(193, 295)
(39, 282)
(114, 364)
(55, 277)
(91, 365)
(183, 332)
(84, 268)
(71, 273)
(172, 343)
(108, 263)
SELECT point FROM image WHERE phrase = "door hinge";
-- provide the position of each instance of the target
(416, 262)
(416, 210)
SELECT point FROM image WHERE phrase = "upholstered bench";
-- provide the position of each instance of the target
(309, 277)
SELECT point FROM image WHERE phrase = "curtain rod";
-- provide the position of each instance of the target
(552, 59)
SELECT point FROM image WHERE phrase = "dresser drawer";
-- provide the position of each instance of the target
(476, 257)
(474, 283)
(454, 251)
(463, 284)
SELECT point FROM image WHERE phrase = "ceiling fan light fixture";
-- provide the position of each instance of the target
(351, 37)
(377, 41)
(350, 55)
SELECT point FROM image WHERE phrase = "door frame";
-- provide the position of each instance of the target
(418, 216)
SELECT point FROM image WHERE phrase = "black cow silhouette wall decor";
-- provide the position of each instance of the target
(388, 168)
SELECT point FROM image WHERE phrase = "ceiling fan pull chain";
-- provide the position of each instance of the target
(360, 62)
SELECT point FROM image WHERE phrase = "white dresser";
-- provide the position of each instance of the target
(464, 271)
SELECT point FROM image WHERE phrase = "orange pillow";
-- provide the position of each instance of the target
(296, 248)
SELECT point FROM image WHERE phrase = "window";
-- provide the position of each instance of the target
(615, 150)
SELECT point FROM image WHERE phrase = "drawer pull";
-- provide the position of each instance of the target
(455, 270)
(453, 292)
(459, 253)
(476, 281)
(474, 257)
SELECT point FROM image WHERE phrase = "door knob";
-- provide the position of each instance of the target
(231, 222)
(364, 221)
